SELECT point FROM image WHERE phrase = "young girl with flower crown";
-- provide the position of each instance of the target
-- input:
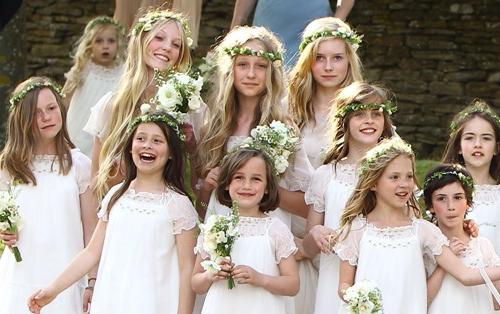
(261, 261)
(50, 183)
(150, 271)
(159, 40)
(98, 58)
(383, 238)
(248, 93)
(475, 143)
(448, 194)
(362, 119)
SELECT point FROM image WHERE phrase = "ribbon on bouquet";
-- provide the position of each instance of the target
(489, 284)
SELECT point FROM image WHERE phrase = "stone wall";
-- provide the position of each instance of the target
(435, 55)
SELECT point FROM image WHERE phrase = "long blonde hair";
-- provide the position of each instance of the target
(83, 50)
(133, 83)
(302, 85)
(338, 128)
(18, 153)
(372, 165)
(225, 107)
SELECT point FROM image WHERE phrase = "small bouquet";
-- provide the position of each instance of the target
(364, 298)
(277, 140)
(9, 217)
(178, 93)
(219, 234)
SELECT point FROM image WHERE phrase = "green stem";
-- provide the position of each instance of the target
(230, 283)
(16, 253)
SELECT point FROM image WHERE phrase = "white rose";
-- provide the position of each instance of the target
(189, 41)
(221, 237)
(4, 226)
(194, 103)
(211, 266)
(168, 97)
(198, 84)
(145, 108)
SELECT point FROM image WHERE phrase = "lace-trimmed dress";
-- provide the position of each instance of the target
(453, 297)
(486, 212)
(139, 269)
(393, 258)
(262, 244)
(96, 82)
(331, 187)
(50, 237)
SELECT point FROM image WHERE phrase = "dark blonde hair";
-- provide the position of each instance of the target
(452, 151)
(235, 161)
(18, 152)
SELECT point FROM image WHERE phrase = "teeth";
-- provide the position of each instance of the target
(162, 57)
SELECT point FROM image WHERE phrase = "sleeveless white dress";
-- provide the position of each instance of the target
(331, 187)
(393, 258)
(262, 244)
(50, 237)
(453, 297)
(139, 269)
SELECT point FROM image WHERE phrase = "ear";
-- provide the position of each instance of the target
(374, 188)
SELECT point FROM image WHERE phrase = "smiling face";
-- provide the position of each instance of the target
(395, 186)
(164, 49)
(149, 149)
(478, 143)
(449, 203)
(248, 185)
(250, 72)
(366, 127)
(48, 121)
(330, 67)
(105, 46)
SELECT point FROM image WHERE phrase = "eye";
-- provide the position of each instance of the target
(258, 179)
(157, 141)
(320, 58)
(98, 40)
(242, 64)
(394, 177)
(158, 37)
(459, 197)
(377, 114)
(468, 138)
(262, 65)
(488, 138)
(176, 45)
(112, 40)
(139, 138)
(338, 58)
(440, 198)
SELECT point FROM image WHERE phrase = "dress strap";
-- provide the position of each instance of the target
(489, 284)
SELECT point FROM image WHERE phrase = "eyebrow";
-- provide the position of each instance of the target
(472, 133)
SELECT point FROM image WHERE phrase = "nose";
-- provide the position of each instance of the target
(477, 142)
(329, 64)
(45, 116)
(146, 144)
(450, 205)
(251, 71)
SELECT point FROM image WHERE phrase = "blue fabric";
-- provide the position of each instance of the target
(287, 19)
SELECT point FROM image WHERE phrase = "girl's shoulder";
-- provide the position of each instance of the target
(487, 194)
(78, 157)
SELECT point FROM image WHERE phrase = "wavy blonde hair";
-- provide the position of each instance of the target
(212, 146)
(302, 85)
(363, 200)
(18, 153)
(83, 50)
(126, 101)
(338, 128)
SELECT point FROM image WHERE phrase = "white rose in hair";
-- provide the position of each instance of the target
(145, 108)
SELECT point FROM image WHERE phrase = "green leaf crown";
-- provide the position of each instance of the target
(348, 35)
(245, 51)
(387, 106)
(32, 86)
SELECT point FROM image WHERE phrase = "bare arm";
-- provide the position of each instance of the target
(96, 150)
(242, 9)
(344, 9)
(185, 243)
(203, 194)
(346, 277)
(434, 283)
(293, 202)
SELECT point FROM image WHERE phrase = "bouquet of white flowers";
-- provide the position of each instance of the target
(9, 217)
(219, 234)
(277, 140)
(178, 93)
(364, 298)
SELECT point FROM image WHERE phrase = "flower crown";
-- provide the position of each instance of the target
(146, 22)
(245, 51)
(105, 20)
(32, 86)
(387, 106)
(348, 35)
(394, 144)
(476, 107)
(148, 115)
(466, 180)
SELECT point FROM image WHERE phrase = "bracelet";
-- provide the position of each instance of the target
(90, 279)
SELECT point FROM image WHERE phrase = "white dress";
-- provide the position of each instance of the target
(96, 81)
(316, 140)
(331, 187)
(453, 297)
(262, 244)
(50, 237)
(139, 269)
(393, 258)
(486, 212)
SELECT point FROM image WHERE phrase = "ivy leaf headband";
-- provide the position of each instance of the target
(145, 23)
(476, 107)
(466, 180)
(245, 51)
(349, 36)
(394, 144)
(387, 106)
(105, 20)
(148, 115)
(30, 87)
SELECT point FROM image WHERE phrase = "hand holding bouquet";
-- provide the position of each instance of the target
(364, 298)
(9, 218)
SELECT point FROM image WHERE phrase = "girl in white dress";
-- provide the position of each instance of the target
(50, 182)
(146, 233)
(448, 191)
(475, 143)
(159, 40)
(326, 64)
(262, 262)
(383, 238)
(98, 57)
(362, 119)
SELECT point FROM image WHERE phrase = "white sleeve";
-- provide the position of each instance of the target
(431, 238)
(282, 240)
(82, 169)
(103, 213)
(315, 194)
(183, 214)
(347, 247)
(298, 174)
(97, 123)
